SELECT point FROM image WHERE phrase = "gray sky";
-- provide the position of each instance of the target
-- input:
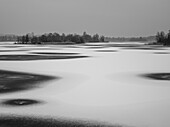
(106, 17)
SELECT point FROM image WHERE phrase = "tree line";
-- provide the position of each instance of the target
(8, 37)
(57, 38)
(163, 38)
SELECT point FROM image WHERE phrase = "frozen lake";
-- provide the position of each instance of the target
(116, 83)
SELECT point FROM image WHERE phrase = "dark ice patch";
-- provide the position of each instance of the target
(12, 50)
(20, 121)
(161, 53)
(19, 102)
(144, 48)
(123, 45)
(106, 50)
(37, 57)
(11, 81)
(53, 53)
(158, 76)
(11, 46)
(95, 47)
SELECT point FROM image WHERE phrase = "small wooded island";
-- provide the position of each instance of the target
(163, 39)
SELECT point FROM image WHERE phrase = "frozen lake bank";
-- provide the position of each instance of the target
(106, 86)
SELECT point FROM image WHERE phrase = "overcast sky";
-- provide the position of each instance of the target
(106, 17)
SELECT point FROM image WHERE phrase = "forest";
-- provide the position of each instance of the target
(59, 39)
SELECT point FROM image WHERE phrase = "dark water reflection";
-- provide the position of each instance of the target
(37, 57)
(20, 121)
(19, 102)
(11, 81)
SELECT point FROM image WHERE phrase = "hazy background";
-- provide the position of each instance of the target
(106, 17)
